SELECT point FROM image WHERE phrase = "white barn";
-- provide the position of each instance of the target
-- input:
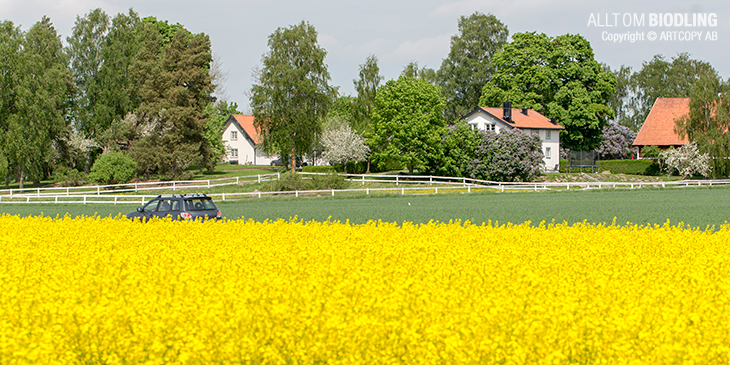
(243, 142)
(527, 120)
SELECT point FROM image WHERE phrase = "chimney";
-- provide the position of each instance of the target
(524, 111)
(507, 111)
(554, 120)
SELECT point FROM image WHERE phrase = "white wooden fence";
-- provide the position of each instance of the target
(130, 193)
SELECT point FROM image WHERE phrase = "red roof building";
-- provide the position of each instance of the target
(659, 127)
(527, 120)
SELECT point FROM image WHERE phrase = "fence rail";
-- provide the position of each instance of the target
(429, 185)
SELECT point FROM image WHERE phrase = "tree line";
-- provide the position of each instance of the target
(137, 86)
(143, 89)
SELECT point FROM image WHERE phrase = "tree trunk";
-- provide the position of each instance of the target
(293, 160)
(22, 171)
(367, 171)
(345, 167)
(87, 167)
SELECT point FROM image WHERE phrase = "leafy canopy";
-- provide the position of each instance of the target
(558, 77)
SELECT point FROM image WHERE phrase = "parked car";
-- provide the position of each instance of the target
(187, 206)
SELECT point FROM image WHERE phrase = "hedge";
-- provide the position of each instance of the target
(629, 167)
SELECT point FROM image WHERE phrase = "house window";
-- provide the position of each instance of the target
(234, 136)
(547, 152)
(234, 152)
(548, 135)
(490, 127)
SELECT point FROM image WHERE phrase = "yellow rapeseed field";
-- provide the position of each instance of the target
(110, 291)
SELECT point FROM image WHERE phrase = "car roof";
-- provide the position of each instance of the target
(193, 195)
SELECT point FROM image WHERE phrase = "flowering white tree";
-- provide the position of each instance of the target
(687, 160)
(342, 144)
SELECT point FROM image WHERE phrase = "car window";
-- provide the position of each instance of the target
(151, 206)
(199, 204)
(164, 206)
(175, 205)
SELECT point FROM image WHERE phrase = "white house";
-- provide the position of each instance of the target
(527, 120)
(243, 142)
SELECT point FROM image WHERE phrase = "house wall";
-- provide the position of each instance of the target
(247, 153)
(480, 121)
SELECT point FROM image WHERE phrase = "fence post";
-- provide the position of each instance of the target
(237, 180)
(464, 181)
(437, 190)
(501, 188)
(278, 175)
(402, 191)
(56, 200)
(259, 194)
(468, 189)
(66, 191)
(296, 194)
(367, 191)
(396, 181)
(259, 178)
(363, 180)
(333, 192)
(39, 192)
(208, 183)
(430, 180)
(98, 190)
(84, 199)
(135, 188)
(224, 196)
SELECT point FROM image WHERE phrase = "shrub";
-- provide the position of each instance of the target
(616, 142)
(69, 177)
(113, 168)
(651, 151)
(507, 156)
(687, 161)
(325, 169)
(631, 167)
(299, 182)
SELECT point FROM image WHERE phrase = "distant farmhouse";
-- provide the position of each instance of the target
(243, 142)
(659, 127)
(527, 120)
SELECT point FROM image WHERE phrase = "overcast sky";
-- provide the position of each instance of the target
(400, 31)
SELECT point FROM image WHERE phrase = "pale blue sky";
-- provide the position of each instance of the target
(398, 32)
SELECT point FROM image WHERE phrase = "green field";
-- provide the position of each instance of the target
(698, 207)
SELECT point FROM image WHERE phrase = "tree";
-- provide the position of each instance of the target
(456, 150)
(367, 88)
(507, 156)
(342, 145)
(661, 78)
(292, 93)
(86, 56)
(708, 121)
(41, 102)
(408, 121)
(622, 102)
(557, 77)
(616, 142)
(175, 88)
(118, 95)
(11, 39)
(468, 67)
(413, 71)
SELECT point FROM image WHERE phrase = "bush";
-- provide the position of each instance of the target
(113, 168)
(687, 161)
(69, 177)
(299, 182)
(629, 167)
(325, 169)
(650, 152)
(507, 156)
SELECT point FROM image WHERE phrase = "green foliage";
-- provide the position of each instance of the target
(708, 122)
(41, 97)
(622, 102)
(427, 74)
(661, 78)
(113, 168)
(650, 151)
(630, 167)
(217, 115)
(366, 87)
(175, 90)
(292, 93)
(511, 155)
(457, 150)
(68, 177)
(325, 169)
(468, 67)
(297, 182)
(557, 77)
(408, 122)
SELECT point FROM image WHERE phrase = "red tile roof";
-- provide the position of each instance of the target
(246, 123)
(658, 129)
(533, 119)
